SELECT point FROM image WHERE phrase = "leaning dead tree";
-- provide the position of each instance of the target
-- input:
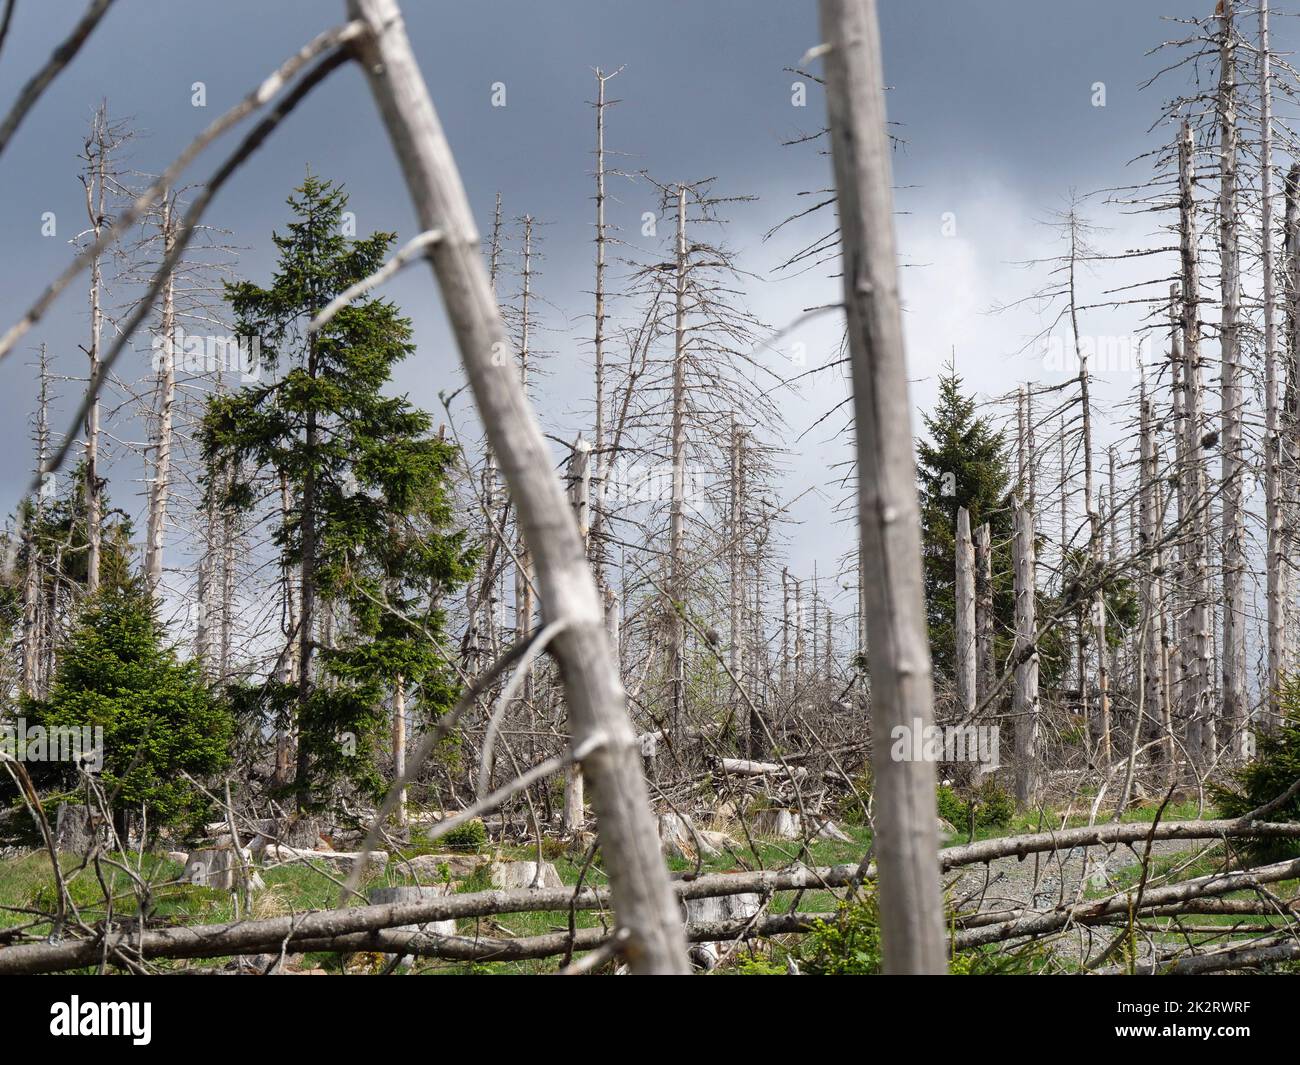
(911, 910)
(602, 738)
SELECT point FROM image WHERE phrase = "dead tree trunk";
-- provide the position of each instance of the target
(1235, 709)
(1025, 694)
(906, 837)
(735, 575)
(1154, 705)
(964, 625)
(33, 598)
(601, 732)
(596, 544)
(1198, 656)
(575, 802)
(1276, 603)
(1289, 416)
(986, 668)
(162, 449)
(1092, 510)
(677, 504)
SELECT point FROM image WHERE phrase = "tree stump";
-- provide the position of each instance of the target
(777, 824)
(221, 868)
(514, 876)
(678, 838)
(77, 829)
(404, 895)
(720, 908)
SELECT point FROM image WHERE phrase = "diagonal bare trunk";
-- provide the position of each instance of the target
(642, 895)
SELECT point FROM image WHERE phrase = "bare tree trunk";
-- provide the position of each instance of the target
(906, 835)
(1235, 708)
(642, 895)
(1179, 599)
(1289, 429)
(986, 662)
(158, 489)
(964, 626)
(229, 529)
(1276, 603)
(96, 208)
(1025, 694)
(735, 575)
(596, 543)
(399, 742)
(1155, 707)
(677, 504)
(33, 599)
(785, 630)
(798, 631)
(1198, 657)
(1091, 505)
(575, 813)
(286, 734)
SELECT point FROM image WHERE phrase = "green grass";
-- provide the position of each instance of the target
(26, 883)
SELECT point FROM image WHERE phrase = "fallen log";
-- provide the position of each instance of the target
(741, 767)
(988, 850)
(1043, 923)
(1237, 957)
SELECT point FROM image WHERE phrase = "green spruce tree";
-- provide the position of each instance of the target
(963, 464)
(369, 530)
(160, 723)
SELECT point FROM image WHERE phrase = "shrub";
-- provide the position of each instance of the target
(467, 837)
(952, 808)
(847, 946)
(994, 807)
(161, 725)
(1275, 768)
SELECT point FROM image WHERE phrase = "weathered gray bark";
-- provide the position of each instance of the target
(906, 839)
(1198, 653)
(964, 623)
(160, 487)
(1155, 707)
(1276, 603)
(677, 503)
(399, 742)
(642, 895)
(986, 661)
(1025, 707)
(1233, 651)
(33, 578)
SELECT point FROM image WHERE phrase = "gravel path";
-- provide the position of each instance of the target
(1045, 882)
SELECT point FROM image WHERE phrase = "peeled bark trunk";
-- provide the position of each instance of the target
(906, 829)
(1235, 708)
(1025, 694)
(677, 504)
(964, 627)
(1274, 562)
(158, 491)
(1198, 656)
(986, 662)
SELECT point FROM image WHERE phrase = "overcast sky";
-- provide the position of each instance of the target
(994, 103)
